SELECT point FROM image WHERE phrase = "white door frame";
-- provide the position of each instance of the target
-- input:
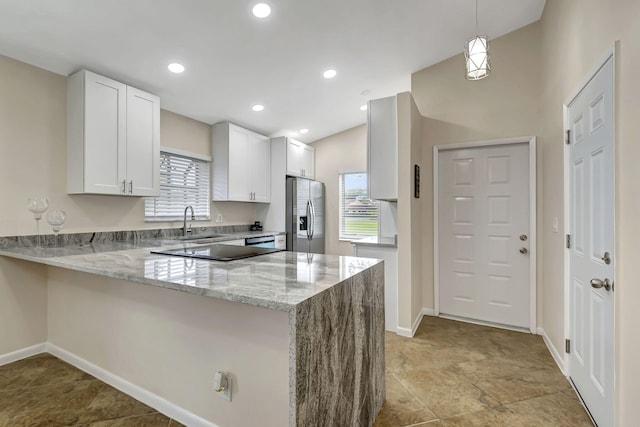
(531, 142)
(611, 53)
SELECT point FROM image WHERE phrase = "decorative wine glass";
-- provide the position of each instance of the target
(56, 219)
(37, 205)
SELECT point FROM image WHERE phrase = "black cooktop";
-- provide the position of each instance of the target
(218, 252)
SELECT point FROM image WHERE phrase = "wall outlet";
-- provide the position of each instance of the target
(219, 218)
(222, 385)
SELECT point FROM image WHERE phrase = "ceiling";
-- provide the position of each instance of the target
(234, 60)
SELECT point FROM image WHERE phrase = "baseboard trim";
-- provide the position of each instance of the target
(409, 333)
(169, 409)
(560, 360)
(23, 353)
(428, 311)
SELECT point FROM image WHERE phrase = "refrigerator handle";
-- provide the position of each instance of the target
(308, 213)
(313, 219)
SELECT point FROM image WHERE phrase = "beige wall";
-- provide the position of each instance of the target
(535, 70)
(575, 37)
(172, 343)
(410, 287)
(33, 159)
(23, 305)
(340, 153)
(456, 110)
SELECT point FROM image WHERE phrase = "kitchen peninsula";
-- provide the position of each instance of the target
(301, 336)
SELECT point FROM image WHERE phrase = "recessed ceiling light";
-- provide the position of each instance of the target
(261, 10)
(303, 131)
(329, 74)
(175, 67)
(257, 107)
(363, 107)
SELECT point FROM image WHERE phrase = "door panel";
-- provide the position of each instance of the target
(239, 177)
(105, 135)
(483, 211)
(591, 154)
(143, 143)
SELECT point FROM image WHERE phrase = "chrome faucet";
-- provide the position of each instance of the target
(184, 225)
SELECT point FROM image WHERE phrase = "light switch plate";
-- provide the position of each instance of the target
(555, 224)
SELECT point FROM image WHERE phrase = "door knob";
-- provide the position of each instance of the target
(524, 251)
(597, 284)
(523, 237)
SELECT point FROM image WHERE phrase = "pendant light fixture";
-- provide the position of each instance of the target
(476, 53)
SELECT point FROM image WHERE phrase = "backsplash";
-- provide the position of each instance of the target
(48, 240)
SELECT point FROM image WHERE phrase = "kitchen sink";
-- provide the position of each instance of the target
(200, 237)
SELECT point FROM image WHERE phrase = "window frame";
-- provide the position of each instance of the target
(204, 165)
(353, 237)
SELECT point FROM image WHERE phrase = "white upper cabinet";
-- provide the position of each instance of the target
(113, 137)
(382, 148)
(300, 159)
(241, 165)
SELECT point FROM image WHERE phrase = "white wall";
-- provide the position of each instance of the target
(340, 153)
(171, 343)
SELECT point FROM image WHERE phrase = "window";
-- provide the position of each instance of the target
(184, 181)
(358, 213)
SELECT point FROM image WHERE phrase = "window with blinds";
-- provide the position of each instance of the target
(184, 181)
(358, 213)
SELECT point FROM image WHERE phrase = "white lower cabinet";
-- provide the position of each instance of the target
(113, 137)
(390, 257)
(241, 165)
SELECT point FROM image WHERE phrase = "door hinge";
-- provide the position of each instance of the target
(568, 140)
(568, 241)
(567, 346)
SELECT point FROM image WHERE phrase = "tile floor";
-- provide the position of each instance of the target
(460, 374)
(449, 374)
(43, 391)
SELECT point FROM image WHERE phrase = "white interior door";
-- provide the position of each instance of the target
(483, 234)
(591, 257)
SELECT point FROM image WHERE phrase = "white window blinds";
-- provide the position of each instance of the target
(358, 213)
(184, 181)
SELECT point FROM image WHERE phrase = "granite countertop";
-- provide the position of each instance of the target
(278, 281)
(386, 241)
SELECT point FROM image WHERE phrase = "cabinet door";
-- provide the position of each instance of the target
(143, 143)
(260, 166)
(294, 156)
(382, 148)
(308, 163)
(239, 173)
(104, 135)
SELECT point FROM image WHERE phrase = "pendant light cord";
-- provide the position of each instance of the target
(476, 17)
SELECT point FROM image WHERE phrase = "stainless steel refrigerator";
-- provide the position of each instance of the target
(305, 215)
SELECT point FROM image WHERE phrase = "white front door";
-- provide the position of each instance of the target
(483, 234)
(591, 126)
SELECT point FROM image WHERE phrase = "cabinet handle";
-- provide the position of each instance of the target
(124, 186)
(131, 187)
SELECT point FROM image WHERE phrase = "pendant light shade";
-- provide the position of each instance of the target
(476, 53)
